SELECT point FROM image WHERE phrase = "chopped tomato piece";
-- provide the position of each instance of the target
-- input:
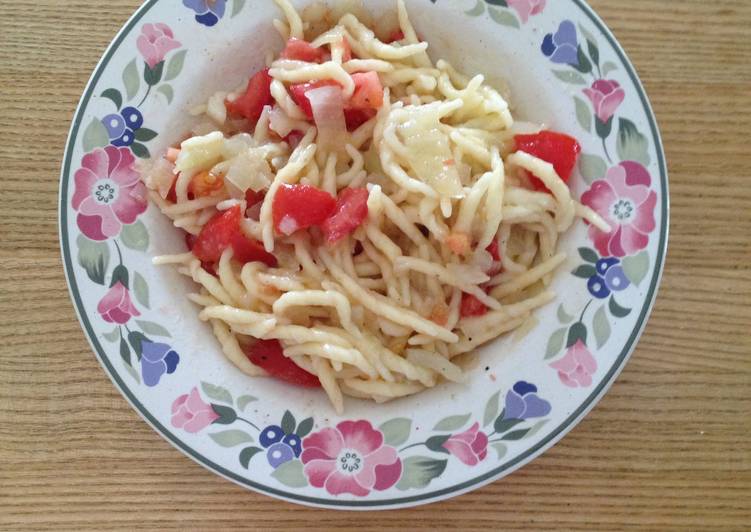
(347, 55)
(558, 149)
(440, 314)
(471, 306)
(298, 91)
(252, 197)
(351, 211)
(459, 243)
(172, 194)
(301, 50)
(396, 35)
(172, 154)
(190, 241)
(257, 95)
(217, 234)
(269, 355)
(297, 207)
(294, 138)
(357, 117)
(368, 91)
(494, 250)
(249, 250)
(204, 184)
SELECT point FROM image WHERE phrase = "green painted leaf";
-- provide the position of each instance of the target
(115, 96)
(231, 438)
(95, 135)
(145, 134)
(555, 343)
(136, 338)
(583, 114)
(113, 335)
(124, 351)
(175, 65)
(585, 271)
(244, 400)
(636, 267)
(603, 129)
(569, 76)
(587, 34)
(153, 328)
(135, 236)
(499, 3)
(584, 66)
(502, 425)
(131, 80)
(133, 373)
(94, 257)
(237, 6)
(491, 409)
(141, 289)
(304, 427)
(476, 11)
(452, 422)
(288, 422)
(575, 333)
(515, 435)
(631, 145)
(500, 449)
(140, 151)
(248, 453)
(167, 91)
(617, 310)
(152, 76)
(563, 316)
(435, 443)
(418, 471)
(601, 327)
(594, 52)
(589, 254)
(119, 275)
(592, 167)
(217, 393)
(227, 415)
(608, 67)
(537, 427)
(503, 17)
(396, 431)
(291, 474)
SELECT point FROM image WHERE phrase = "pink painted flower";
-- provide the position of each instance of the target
(156, 41)
(108, 192)
(576, 367)
(526, 8)
(190, 413)
(470, 446)
(627, 204)
(350, 458)
(116, 306)
(606, 96)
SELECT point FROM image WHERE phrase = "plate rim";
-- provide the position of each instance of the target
(365, 504)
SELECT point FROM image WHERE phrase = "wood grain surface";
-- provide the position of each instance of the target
(667, 448)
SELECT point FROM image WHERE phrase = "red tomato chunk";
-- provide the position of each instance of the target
(298, 94)
(351, 211)
(368, 91)
(471, 306)
(298, 207)
(300, 50)
(257, 95)
(558, 149)
(268, 354)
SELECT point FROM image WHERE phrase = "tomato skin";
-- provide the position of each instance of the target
(217, 234)
(471, 306)
(269, 355)
(368, 91)
(249, 250)
(298, 207)
(300, 50)
(494, 250)
(558, 149)
(396, 35)
(252, 197)
(298, 91)
(350, 212)
(357, 117)
(204, 184)
(258, 94)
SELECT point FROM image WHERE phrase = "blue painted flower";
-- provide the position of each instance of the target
(616, 279)
(133, 117)
(271, 435)
(279, 453)
(208, 12)
(562, 46)
(293, 440)
(597, 287)
(125, 140)
(115, 126)
(522, 402)
(603, 265)
(156, 360)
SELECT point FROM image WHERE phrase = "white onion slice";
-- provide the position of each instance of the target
(328, 113)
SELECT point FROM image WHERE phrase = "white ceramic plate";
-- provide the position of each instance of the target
(564, 69)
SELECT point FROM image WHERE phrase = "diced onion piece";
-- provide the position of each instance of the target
(236, 145)
(216, 109)
(249, 170)
(429, 152)
(280, 123)
(160, 176)
(200, 153)
(328, 112)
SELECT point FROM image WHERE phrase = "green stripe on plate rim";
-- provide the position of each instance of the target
(476, 482)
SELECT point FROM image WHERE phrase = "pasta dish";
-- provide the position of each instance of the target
(358, 216)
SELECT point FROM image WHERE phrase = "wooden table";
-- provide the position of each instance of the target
(667, 449)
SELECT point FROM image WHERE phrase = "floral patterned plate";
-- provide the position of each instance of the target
(564, 69)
